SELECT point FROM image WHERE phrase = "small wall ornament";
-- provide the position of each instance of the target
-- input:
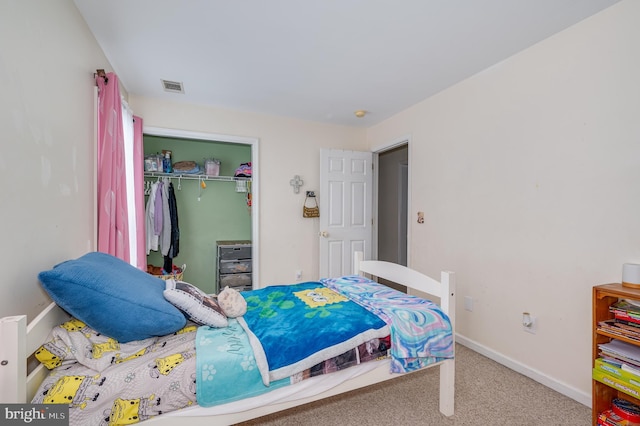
(313, 211)
(296, 182)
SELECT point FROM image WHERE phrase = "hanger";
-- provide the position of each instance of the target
(202, 185)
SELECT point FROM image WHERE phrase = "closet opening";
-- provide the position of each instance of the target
(212, 208)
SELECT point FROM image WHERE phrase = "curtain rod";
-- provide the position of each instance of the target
(101, 73)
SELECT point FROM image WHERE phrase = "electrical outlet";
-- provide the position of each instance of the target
(298, 275)
(529, 323)
(468, 303)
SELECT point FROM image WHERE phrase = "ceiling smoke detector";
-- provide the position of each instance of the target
(172, 86)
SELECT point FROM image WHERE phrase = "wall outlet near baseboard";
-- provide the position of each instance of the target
(468, 303)
(529, 323)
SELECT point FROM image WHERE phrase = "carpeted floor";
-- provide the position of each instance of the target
(487, 393)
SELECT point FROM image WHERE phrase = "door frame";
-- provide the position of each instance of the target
(403, 209)
(255, 197)
(402, 140)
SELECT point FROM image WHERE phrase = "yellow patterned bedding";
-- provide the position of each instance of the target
(110, 383)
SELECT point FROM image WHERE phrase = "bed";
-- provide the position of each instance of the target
(21, 340)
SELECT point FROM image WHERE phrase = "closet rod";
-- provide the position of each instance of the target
(195, 176)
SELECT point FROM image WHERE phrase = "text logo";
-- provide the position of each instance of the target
(34, 414)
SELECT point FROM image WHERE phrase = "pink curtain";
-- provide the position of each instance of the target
(138, 162)
(113, 222)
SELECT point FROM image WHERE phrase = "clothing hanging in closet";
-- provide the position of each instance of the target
(174, 231)
(163, 232)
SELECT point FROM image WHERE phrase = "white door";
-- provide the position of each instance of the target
(346, 204)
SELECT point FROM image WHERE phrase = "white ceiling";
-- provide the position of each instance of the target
(317, 60)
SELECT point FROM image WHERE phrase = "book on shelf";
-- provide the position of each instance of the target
(619, 360)
(632, 302)
(619, 328)
(619, 349)
(617, 371)
(631, 369)
(631, 318)
(616, 383)
(626, 305)
(626, 311)
(629, 324)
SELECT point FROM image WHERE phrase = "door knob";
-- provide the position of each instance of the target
(324, 234)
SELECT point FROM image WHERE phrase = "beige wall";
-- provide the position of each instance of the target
(286, 147)
(528, 175)
(47, 61)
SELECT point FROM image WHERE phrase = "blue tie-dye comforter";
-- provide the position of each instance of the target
(421, 333)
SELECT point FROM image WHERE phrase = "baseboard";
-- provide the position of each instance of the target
(566, 390)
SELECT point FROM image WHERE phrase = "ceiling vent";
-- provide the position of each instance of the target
(172, 86)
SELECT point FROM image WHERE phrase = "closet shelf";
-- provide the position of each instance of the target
(197, 176)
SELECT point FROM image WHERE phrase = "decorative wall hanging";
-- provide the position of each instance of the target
(313, 211)
(296, 182)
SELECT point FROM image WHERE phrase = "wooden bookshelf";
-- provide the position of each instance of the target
(604, 296)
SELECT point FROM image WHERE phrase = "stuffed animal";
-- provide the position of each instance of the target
(232, 302)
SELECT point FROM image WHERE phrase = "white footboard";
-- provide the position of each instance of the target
(443, 290)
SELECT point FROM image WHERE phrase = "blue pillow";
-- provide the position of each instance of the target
(112, 297)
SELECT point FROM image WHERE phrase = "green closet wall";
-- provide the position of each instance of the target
(221, 213)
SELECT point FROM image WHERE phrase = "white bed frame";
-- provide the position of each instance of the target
(18, 341)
